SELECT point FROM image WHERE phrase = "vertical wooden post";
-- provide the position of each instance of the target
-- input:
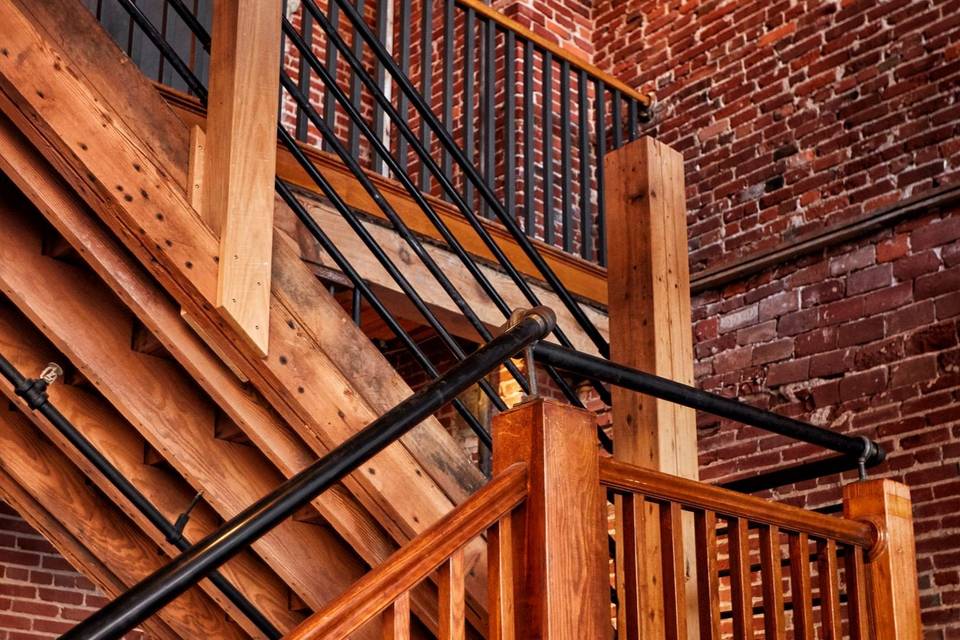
(240, 158)
(558, 534)
(893, 591)
(651, 329)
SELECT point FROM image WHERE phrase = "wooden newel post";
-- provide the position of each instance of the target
(559, 534)
(651, 329)
(892, 587)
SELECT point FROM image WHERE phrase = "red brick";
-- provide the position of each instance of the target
(862, 384)
(935, 284)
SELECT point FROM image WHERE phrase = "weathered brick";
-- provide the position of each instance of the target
(863, 383)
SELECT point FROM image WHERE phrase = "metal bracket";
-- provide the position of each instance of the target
(515, 317)
(34, 391)
(862, 460)
(183, 518)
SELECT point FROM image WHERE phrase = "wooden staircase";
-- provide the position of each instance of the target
(103, 258)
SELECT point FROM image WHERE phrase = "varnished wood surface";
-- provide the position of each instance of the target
(55, 483)
(741, 594)
(585, 279)
(416, 560)
(801, 592)
(249, 412)
(708, 574)
(626, 477)
(301, 380)
(771, 577)
(829, 579)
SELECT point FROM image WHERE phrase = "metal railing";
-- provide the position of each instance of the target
(148, 596)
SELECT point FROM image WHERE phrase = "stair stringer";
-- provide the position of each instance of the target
(53, 495)
(125, 182)
(155, 310)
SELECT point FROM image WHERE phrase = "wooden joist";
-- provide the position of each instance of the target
(85, 321)
(110, 434)
(323, 375)
(52, 481)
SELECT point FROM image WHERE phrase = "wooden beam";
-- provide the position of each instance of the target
(423, 281)
(123, 447)
(651, 329)
(338, 507)
(559, 531)
(330, 380)
(585, 279)
(85, 322)
(240, 159)
(893, 591)
(55, 483)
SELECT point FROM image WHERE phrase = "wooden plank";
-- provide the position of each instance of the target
(452, 598)
(829, 581)
(425, 284)
(83, 319)
(244, 407)
(304, 385)
(559, 531)
(801, 594)
(638, 612)
(674, 573)
(584, 279)
(29, 351)
(708, 574)
(240, 159)
(741, 592)
(71, 548)
(417, 560)
(650, 323)
(892, 565)
(61, 488)
(501, 610)
(662, 486)
(858, 616)
(771, 577)
(396, 619)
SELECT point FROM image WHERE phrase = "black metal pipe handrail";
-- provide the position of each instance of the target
(34, 394)
(144, 599)
(595, 368)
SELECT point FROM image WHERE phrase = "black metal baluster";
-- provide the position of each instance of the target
(303, 78)
(468, 78)
(488, 126)
(600, 133)
(426, 85)
(565, 160)
(378, 119)
(402, 103)
(356, 89)
(355, 304)
(617, 115)
(529, 116)
(632, 111)
(449, 37)
(329, 104)
(510, 126)
(583, 128)
(546, 138)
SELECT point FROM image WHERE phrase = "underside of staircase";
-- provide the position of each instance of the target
(107, 270)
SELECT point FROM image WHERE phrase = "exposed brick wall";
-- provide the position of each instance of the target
(41, 595)
(792, 115)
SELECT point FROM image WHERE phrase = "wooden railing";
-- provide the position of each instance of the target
(762, 569)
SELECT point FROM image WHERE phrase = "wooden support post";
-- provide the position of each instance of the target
(651, 329)
(558, 534)
(240, 158)
(893, 591)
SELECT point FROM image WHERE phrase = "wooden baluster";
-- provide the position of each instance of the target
(500, 578)
(829, 580)
(633, 562)
(772, 582)
(801, 594)
(856, 581)
(741, 593)
(674, 578)
(452, 598)
(708, 574)
(396, 619)
(562, 580)
(892, 567)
